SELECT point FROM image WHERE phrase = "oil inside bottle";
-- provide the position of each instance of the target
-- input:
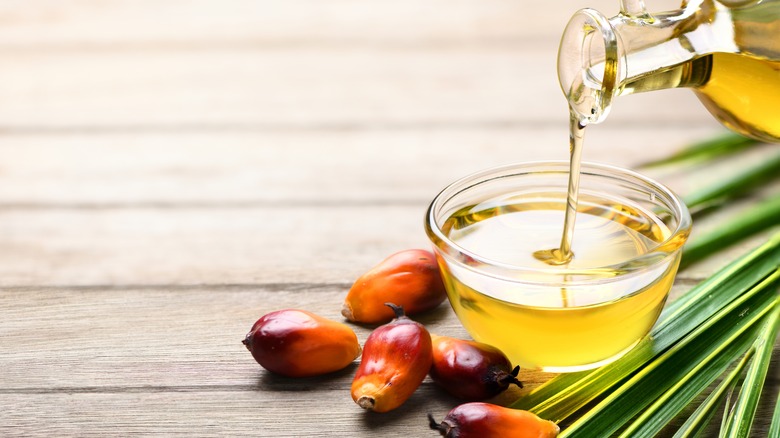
(741, 91)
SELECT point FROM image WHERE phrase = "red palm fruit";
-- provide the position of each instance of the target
(297, 343)
(471, 370)
(481, 420)
(410, 279)
(396, 358)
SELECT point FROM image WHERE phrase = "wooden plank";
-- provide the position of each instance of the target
(92, 212)
(154, 347)
(281, 413)
(192, 246)
(165, 338)
(169, 360)
(114, 24)
(202, 245)
(168, 338)
(315, 412)
(302, 88)
(234, 168)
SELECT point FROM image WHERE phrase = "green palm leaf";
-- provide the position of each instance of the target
(755, 220)
(774, 428)
(740, 421)
(562, 396)
(695, 424)
(705, 150)
(736, 185)
(720, 340)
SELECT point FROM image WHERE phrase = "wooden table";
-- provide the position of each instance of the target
(172, 170)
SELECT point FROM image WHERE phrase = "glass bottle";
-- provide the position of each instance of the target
(726, 51)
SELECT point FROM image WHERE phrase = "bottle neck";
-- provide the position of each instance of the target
(601, 58)
(589, 62)
(668, 50)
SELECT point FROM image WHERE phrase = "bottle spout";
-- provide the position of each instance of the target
(589, 64)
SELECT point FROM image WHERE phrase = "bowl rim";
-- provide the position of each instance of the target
(636, 265)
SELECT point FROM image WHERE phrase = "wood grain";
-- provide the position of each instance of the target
(180, 346)
(117, 24)
(234, 168)
(170, 360)
(300, 88)
(192, 246)
(158, 338)
(222, 413)
(171, 170)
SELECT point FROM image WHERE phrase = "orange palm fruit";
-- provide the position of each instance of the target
(396, 359)
(297, 343)
(471, 370)
(410, 279)
(481, 420)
